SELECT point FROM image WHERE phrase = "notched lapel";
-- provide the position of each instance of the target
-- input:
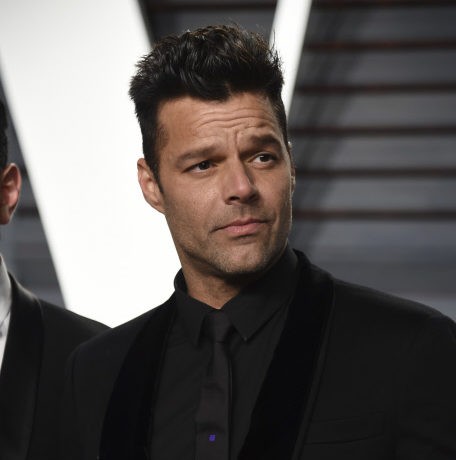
(127, 424)
(20, 373)
(282, 411)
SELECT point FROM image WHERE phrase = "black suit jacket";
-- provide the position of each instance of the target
(40, 339)
(357, 374)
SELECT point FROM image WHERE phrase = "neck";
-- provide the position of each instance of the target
(215, 291)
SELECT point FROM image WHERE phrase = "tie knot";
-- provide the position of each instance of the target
(218, 325)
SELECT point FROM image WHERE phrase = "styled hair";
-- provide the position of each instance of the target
(210, 63)
(3, 139)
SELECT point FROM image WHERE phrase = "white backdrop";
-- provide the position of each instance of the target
(66, 67)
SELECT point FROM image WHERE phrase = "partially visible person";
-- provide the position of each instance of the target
(36, 339)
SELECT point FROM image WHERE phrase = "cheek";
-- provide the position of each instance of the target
(284, 205)
(188, 210)
(283, 192)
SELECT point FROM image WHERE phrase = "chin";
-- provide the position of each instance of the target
(247, 264)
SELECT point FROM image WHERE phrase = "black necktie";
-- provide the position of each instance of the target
(213, 413)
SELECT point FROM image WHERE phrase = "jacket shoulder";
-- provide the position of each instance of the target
(91, 374)
(363, 300)
(40, 338)
(112, 345)
(62, 321)
(381, 322)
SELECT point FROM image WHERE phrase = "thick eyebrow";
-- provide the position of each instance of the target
(254, 141)
(262, 140)
(193, 155)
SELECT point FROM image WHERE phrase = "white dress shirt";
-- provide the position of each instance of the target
(5, 307)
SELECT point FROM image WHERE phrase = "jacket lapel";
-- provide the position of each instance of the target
(20, 373)
(126, 429)
(282, 411)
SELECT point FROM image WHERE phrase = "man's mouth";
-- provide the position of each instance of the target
(243, 227)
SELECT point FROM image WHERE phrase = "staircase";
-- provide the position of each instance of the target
(373, 125)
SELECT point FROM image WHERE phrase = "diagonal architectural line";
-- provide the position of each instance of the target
(66, 67)
(287, 36)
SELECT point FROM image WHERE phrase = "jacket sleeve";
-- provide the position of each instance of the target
(426, 406)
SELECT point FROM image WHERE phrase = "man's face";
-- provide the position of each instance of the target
(226, 184)
(10, 188)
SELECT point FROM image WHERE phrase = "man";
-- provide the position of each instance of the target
(297, 365)
(36, 338)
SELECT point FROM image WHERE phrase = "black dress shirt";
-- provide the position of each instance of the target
(258, 314)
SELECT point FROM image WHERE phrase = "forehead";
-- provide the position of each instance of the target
(187, 118)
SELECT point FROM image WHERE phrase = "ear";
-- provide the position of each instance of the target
(10, 188)
(149, 186)
(292, 166)
(293, 177)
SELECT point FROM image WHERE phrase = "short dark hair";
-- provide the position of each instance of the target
(209, 63)
(3, 138)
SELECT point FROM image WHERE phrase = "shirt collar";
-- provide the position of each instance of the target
(191, 312)
(5, 291)
(251, 308)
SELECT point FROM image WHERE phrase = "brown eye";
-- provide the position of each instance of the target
(264, 158)
(202, 166)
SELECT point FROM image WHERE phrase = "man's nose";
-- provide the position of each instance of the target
(239, 184)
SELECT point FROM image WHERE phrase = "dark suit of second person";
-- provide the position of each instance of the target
(36, 339)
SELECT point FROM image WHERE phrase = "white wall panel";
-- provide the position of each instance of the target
(66, 66)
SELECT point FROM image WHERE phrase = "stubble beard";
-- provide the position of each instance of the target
(220, 260)
(235, 265)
